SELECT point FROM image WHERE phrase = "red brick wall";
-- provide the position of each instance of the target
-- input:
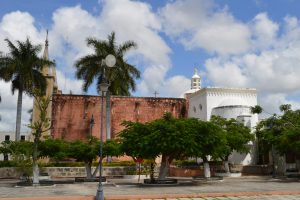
(71, 114)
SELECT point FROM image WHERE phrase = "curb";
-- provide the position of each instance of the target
(200, 195)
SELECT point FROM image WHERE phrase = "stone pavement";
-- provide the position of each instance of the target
(230, 188)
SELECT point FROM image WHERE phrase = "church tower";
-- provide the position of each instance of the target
(196, 81)
(50, 75)
(195, 84)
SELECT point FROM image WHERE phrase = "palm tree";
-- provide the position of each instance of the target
(23, 67)
(122, 77)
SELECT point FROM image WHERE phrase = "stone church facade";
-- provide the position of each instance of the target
(78, 116)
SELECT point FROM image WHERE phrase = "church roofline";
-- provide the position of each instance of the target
(117, 96)
(224, 89)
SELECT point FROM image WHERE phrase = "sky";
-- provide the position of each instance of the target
(232, 43)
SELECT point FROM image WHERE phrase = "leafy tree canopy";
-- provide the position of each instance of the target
(281, 131)
(237, 135)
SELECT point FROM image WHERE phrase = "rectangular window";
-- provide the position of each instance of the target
(22, 137)
(5, 157)
(7, 137)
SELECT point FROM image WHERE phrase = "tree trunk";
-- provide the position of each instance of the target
(96, 170)
(88, 169)
(164, 168)
(152, 172)
(35, 172)
(35, 167)
(226, 165)
(206, 168)
(19, 114)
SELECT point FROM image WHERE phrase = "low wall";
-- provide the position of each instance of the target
(252, 169)
(198, 171)
(185, 172)
(12, 172)
(9, 172)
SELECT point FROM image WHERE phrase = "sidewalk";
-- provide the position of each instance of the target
(231, 188)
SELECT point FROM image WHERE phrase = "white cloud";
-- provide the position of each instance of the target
(272, 66)
(67, 84)
(261, 53)
(176, 86)
(8, 109)
(271, 103)
(225, 74)
(131, 20)
(16, 26)
(264, 31)
(154, 81)
(202, 24)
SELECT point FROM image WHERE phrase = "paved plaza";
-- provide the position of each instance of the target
(229, 188)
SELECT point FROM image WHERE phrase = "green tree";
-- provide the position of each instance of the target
(256, 109)
(55, 149)
(171, 138)
(23, 67)
(88, 151)
(285, 107)
(20, 152)
(85, 152)
(167, 137)
(38, 128)
(237, 137)
(210, 140)
(281, 132)
(136, 142)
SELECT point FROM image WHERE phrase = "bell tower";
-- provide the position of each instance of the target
(50, 75)
(196, 80)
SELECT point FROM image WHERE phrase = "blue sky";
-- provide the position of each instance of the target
(233, 43)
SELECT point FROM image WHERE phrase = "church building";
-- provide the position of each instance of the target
(78, 116)
(227, 103)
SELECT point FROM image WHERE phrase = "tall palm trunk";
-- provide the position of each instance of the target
(19, 114)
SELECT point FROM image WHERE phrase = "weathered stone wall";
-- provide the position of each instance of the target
(9, 172)
(12, 172)
(80, 171)
(71, 114)
(143, 109)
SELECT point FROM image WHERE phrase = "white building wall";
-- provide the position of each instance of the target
(12, 137)
(197, 105)
(228, 103)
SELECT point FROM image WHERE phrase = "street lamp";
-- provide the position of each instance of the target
(92, 122)
(109, 61)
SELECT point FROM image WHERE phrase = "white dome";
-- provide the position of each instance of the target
(190, 91)
(233, 102)
(195, 76)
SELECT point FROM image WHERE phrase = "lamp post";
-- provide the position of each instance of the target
(92, 122)
(109, 61)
